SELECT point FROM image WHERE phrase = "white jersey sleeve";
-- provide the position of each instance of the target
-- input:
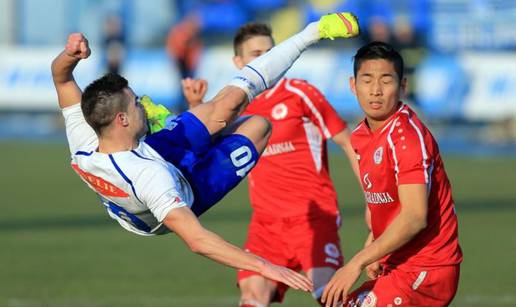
(78, 132)
(160, 191)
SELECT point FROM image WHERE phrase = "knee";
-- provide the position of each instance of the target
(262, 125)
(259, 132)
(254, 296)
(255, 292)
(257, 129)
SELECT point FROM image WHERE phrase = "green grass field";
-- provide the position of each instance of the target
(60, 249)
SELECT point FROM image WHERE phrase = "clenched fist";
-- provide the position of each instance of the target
(77, 46)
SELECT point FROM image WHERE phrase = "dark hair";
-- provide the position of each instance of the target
(250, 30)
(103, 99)
(378, 50)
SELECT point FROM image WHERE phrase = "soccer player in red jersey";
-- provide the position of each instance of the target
(412, 254)
(295, 217)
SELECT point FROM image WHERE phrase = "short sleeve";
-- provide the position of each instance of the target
(317, 108)
(158, 191)
(78, 132)
(411, 156)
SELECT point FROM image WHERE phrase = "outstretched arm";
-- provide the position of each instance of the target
(68, 92)
(374, 269)
(404, 227)
(201, 241)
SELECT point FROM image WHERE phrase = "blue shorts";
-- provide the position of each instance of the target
(213, 167)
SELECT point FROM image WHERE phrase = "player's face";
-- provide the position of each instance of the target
(378, 90)
(136, 114)
(251, 49)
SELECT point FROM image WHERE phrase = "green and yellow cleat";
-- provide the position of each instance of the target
(157, 114)
(338, 25)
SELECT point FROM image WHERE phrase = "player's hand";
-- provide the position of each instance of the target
(373, 270)
(77, 46)
(194, 91)
(338, 288)
(286, 276)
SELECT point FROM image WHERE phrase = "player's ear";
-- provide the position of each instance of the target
(238, 61)
(352, 85)
(122, 119)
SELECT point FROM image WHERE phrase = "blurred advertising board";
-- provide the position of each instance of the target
(474, 85)
(26, 79)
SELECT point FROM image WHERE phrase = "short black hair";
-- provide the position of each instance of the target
(102, 100)
(250, 30)
(378, 50)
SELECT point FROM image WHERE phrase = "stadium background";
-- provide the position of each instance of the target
(60, 249)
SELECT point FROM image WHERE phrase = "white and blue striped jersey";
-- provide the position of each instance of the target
(137, 187)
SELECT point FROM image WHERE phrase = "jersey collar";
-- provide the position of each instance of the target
(385, 125)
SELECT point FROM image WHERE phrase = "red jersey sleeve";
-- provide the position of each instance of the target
(317, 108)
(412, 159)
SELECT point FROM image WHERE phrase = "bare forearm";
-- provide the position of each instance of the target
(183, 222)
(369, 240)
(398, 233)
(62, 68)
(68, 92)
(214, 247)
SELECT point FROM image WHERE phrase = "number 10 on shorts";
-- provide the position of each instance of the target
(240, 158)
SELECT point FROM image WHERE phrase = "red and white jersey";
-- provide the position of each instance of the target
(137, 187)
(403, 151)
(292, 175)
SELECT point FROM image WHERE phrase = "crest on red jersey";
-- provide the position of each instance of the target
(279, 111)
(100, 185)
(378, 155)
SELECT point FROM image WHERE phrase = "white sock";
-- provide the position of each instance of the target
(264, 71)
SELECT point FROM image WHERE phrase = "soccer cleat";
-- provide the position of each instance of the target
(338, 25)
(157, 114)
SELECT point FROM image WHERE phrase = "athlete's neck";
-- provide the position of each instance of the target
(376, 123)
(109, 145)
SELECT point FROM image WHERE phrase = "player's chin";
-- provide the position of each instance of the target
(379, 114)
(374, 114)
